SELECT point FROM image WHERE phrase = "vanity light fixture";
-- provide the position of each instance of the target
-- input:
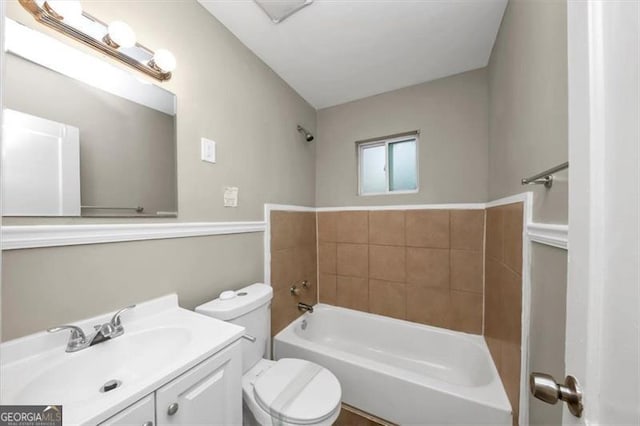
(119, 34)
(116, 39)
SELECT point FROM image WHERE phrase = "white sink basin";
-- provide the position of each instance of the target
(78, 377)
(160, 342)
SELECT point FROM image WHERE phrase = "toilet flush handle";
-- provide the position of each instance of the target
(249, 338)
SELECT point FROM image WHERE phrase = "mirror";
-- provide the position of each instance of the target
(83, 137)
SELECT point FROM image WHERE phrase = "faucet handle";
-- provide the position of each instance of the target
(115, 321)
(77, 335)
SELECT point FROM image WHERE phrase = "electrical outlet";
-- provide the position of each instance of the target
(231, 196)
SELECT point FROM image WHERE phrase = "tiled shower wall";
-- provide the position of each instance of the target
(503, 295)
(293, 260)
(424, 266)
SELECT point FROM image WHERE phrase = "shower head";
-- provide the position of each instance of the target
(308, 136)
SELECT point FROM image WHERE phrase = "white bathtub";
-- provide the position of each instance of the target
(400, 371)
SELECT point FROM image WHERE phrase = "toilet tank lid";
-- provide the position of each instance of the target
(246, 300)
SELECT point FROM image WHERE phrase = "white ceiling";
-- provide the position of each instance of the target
(336, 51)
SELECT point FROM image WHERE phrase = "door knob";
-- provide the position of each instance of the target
(173, 408)
(545, 388)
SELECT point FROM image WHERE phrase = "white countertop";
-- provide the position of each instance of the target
(161, 341)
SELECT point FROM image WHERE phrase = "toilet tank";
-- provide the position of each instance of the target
(249, 307)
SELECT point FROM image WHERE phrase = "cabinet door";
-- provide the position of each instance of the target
(142, 413)
(208, 394)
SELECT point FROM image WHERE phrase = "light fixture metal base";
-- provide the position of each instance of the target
(47, 16)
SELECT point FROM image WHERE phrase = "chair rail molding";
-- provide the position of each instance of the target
(549, 234)
(33, 236)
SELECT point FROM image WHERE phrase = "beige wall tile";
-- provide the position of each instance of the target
(327, 253)
(495, 231)
(305, 229)
(308, 258)
(494, 312)
(467, 229)
(352, 227)
(503, 294)
(429, 305)
(510, 374)
(387, 298)
(386, 228)
(283, 232)
(387, 263)
(283, 310)
(428, 267)
(512, 238)
(353, 260)
(327, 289)
(352, 293)
(327, 222)
(310, 294)
(511, 304)
(285, 268)
(466, 312)
(427, 228)
(292, 264)
(495, 349)
(466, 270)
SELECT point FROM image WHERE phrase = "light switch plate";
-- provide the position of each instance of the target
(207, 150)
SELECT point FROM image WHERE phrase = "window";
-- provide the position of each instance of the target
(388, 166)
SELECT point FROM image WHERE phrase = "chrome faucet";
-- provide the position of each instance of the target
(109, 330)
(303, 307)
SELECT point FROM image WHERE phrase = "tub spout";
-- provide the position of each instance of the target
(303, 307)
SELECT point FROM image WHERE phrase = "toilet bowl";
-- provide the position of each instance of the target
(287, 392)
(269, 394)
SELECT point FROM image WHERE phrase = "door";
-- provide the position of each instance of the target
(41, 166)
(603, 296)
(208, 394)
(142, 413)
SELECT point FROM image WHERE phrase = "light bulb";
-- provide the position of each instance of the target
(121, 34)
(68, 9)
(164, 60)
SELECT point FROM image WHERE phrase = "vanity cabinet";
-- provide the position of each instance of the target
(141, 413)
(209, 393)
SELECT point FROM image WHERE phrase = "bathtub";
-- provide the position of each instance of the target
(402, 372)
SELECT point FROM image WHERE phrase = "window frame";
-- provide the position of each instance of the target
(386, 141)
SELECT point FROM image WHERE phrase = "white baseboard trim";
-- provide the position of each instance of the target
(23, 237)
(551, 235)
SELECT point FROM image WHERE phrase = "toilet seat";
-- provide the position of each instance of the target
(298, 392)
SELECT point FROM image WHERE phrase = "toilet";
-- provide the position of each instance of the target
(285, 392)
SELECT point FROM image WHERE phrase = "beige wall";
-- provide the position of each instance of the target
(528, 104)
(547, 338)
(451, 114)
(225, 93)
(44, 287)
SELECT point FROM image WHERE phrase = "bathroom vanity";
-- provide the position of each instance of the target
(171, 366)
